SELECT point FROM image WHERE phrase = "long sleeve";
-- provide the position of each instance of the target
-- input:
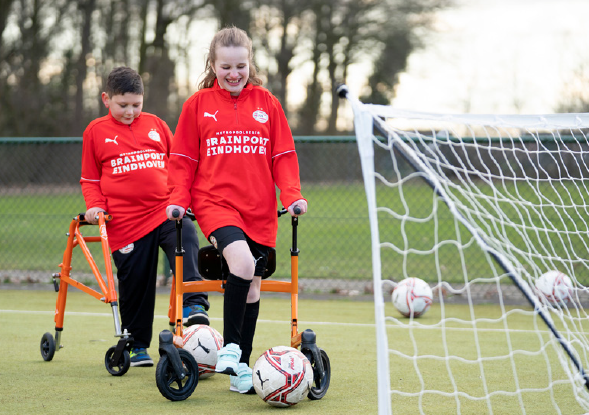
(184, 156)
(285, 164)
(91, 174)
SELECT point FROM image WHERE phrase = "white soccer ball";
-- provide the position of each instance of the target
(203, 342)
(282, 376)
(555, 287)
(412, 296)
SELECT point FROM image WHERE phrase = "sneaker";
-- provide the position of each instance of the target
(139, 357)
(194, 314)
(242, 383)
(228, 359)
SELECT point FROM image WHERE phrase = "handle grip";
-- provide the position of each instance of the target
(284, 211)
(176, 213)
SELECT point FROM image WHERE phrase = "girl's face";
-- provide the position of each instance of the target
(232, 68)
(124, 108)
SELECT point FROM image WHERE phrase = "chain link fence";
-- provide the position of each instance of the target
(40, 194)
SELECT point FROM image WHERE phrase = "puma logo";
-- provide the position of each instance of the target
(206, 350)
(261, 380)
(112, 140)
(213, 116)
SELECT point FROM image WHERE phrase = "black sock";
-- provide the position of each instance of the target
(236, 291)
(248, 330)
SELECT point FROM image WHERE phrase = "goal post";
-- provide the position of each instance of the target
(508, 203)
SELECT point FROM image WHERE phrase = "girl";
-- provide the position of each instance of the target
(231, 149)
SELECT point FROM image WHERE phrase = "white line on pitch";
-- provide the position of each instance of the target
(301, 322)
(82, 313)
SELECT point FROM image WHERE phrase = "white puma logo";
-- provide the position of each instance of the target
(112, 140)
(213, 116)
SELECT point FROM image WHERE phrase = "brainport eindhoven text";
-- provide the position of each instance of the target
(242, 143)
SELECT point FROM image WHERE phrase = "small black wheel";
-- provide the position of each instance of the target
(167, 381)
(320, 380)
(120, 368)
(47, 347)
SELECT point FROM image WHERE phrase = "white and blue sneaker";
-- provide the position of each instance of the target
(228, 359)
(243, 382)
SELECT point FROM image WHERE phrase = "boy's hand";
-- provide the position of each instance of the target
(301, 204)
(171, 208)
(91, 215)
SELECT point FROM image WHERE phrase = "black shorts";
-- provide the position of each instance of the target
(222, 237)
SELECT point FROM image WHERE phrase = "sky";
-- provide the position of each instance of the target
(498, 56)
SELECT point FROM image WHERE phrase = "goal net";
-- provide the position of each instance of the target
(480, 207)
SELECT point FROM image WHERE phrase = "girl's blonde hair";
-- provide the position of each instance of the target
(230, 36)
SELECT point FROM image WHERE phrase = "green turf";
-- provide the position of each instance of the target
(76, 381)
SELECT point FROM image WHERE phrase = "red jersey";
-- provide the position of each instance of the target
(124, 172)
(228, 156)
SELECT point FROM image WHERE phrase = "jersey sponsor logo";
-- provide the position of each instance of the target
(127, 249)
(154, 135)
(213, 116)
(236, 142)
(112, 140)
(260, 116)
(138, 160)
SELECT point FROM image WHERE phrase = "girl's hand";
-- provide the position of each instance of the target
(171, 209)
(301, 204)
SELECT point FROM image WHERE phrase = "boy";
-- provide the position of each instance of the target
(125, 172)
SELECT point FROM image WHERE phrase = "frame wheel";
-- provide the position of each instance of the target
(320, 380)
(47, 347)
(117, 369)
(170, 386)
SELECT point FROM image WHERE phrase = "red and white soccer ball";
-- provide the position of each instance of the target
(555, 287)
(203, 342)
(282, 376)
(412, 296)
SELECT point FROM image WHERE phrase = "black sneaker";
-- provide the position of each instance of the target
(194, 314)
(139, 357)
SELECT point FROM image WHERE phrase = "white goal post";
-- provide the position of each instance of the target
(480, 207)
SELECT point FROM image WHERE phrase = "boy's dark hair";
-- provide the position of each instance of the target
(122, 80)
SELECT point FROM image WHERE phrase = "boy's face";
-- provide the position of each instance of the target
(124, 108)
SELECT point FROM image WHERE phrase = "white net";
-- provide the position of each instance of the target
(480, 207)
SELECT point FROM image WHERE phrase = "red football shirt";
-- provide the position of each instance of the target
(125, 172)
(228, 156)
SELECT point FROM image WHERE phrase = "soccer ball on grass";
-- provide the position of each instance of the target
(282, 376)
(412, 297)
(203, 342)
(555, 287)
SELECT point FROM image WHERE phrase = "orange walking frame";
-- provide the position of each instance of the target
(117, 358)
(177, 372)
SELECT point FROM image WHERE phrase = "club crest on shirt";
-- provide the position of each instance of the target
(260, 116)
(154, 135)
(127, 249)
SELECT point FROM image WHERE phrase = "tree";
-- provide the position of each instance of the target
(378, 34)
(155, 64)
(25, 100)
